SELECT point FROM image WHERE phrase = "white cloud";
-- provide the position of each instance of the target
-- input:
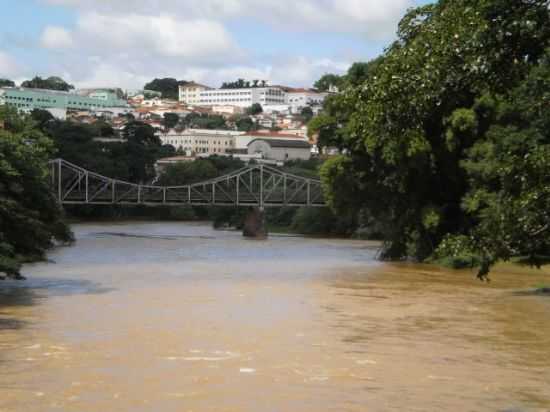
(8, 66)
(133, 41)
(157, 35)
(375, 18)
(54, 37)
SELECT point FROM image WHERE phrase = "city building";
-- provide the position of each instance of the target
(57, 102)
(199, 141)
(102, 93)
(297, 99)
(190, 93)
(242, 141)
(281, 150)
(194, 94)
(227, 110)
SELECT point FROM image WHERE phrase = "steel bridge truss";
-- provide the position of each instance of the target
(257, 185)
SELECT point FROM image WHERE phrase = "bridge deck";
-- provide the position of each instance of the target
(257, 185)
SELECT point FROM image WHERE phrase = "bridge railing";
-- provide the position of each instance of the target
(257, 185)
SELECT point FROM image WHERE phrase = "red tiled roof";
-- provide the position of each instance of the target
(273, 135)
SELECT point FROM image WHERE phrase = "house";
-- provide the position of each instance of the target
(280, 149)
(242, 141)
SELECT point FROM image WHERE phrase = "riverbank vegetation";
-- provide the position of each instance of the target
(30, 219)
(447, 136)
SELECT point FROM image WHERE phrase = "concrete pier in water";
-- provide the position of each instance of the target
(254, 224)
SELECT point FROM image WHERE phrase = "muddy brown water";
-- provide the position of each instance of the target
(178, 317)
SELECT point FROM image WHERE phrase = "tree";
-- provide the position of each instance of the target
(327, 81)
(255, 109)
(246, 124)
(508, 170)
(143, 147)
(51, 83)
(170, 120)
(243, 84)
(185, 173)
(42, 117)
(30, 218)
(205, 121)
(6, 83)
(306, 113)
(410, 125)
(169, 87)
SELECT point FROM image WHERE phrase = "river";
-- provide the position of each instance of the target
(179, 317)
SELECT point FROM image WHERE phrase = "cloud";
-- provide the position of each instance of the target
(54, 37)
(292, 71)
(374, 18)
(157, 35)
(8, 66)
(133, 41)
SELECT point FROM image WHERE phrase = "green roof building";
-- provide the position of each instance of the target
(28, 99)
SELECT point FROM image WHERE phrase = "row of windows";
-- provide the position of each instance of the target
(208, 94)
(26, 99)
(198, 142)
(225, 100)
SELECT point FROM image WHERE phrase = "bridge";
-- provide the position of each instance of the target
(254, 186)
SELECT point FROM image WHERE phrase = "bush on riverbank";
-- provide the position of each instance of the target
(30, 219)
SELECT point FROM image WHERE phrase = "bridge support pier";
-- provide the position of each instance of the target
(254, 224)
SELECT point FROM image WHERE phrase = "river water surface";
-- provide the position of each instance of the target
(179, 317)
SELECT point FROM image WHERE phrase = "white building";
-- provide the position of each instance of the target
(194, 94)
(228, 110)
(300, 98)
(242, 141)
(201, 141)
(190, 93)
(281, 150)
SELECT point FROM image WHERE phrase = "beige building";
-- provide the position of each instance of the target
(280, 149)
(201, 141)
(242, 140)
(190, 93)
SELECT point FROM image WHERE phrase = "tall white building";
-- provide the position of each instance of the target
(197, 95)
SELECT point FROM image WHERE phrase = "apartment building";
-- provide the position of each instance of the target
(26, 100)
(201, 141)
(197, 95)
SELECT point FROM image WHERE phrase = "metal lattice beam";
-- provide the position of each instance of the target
(257, 185)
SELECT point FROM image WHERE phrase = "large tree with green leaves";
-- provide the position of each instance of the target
(169, 87)
(51, 83)
(30, 218)
(6, 83)
(409, 127)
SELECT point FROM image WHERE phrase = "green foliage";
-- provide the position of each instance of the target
(306, 113)
(41, 117)
(184, 173)
(170, 120)
(332, 125)
(51, 83)
(456, 252)
(6, 83)
(205, 121)
(438, 142)
(30, 218)
(327, 81)
(322, 221)
(243, 84)
(246, 124)
(168, 87)
(255, 109)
